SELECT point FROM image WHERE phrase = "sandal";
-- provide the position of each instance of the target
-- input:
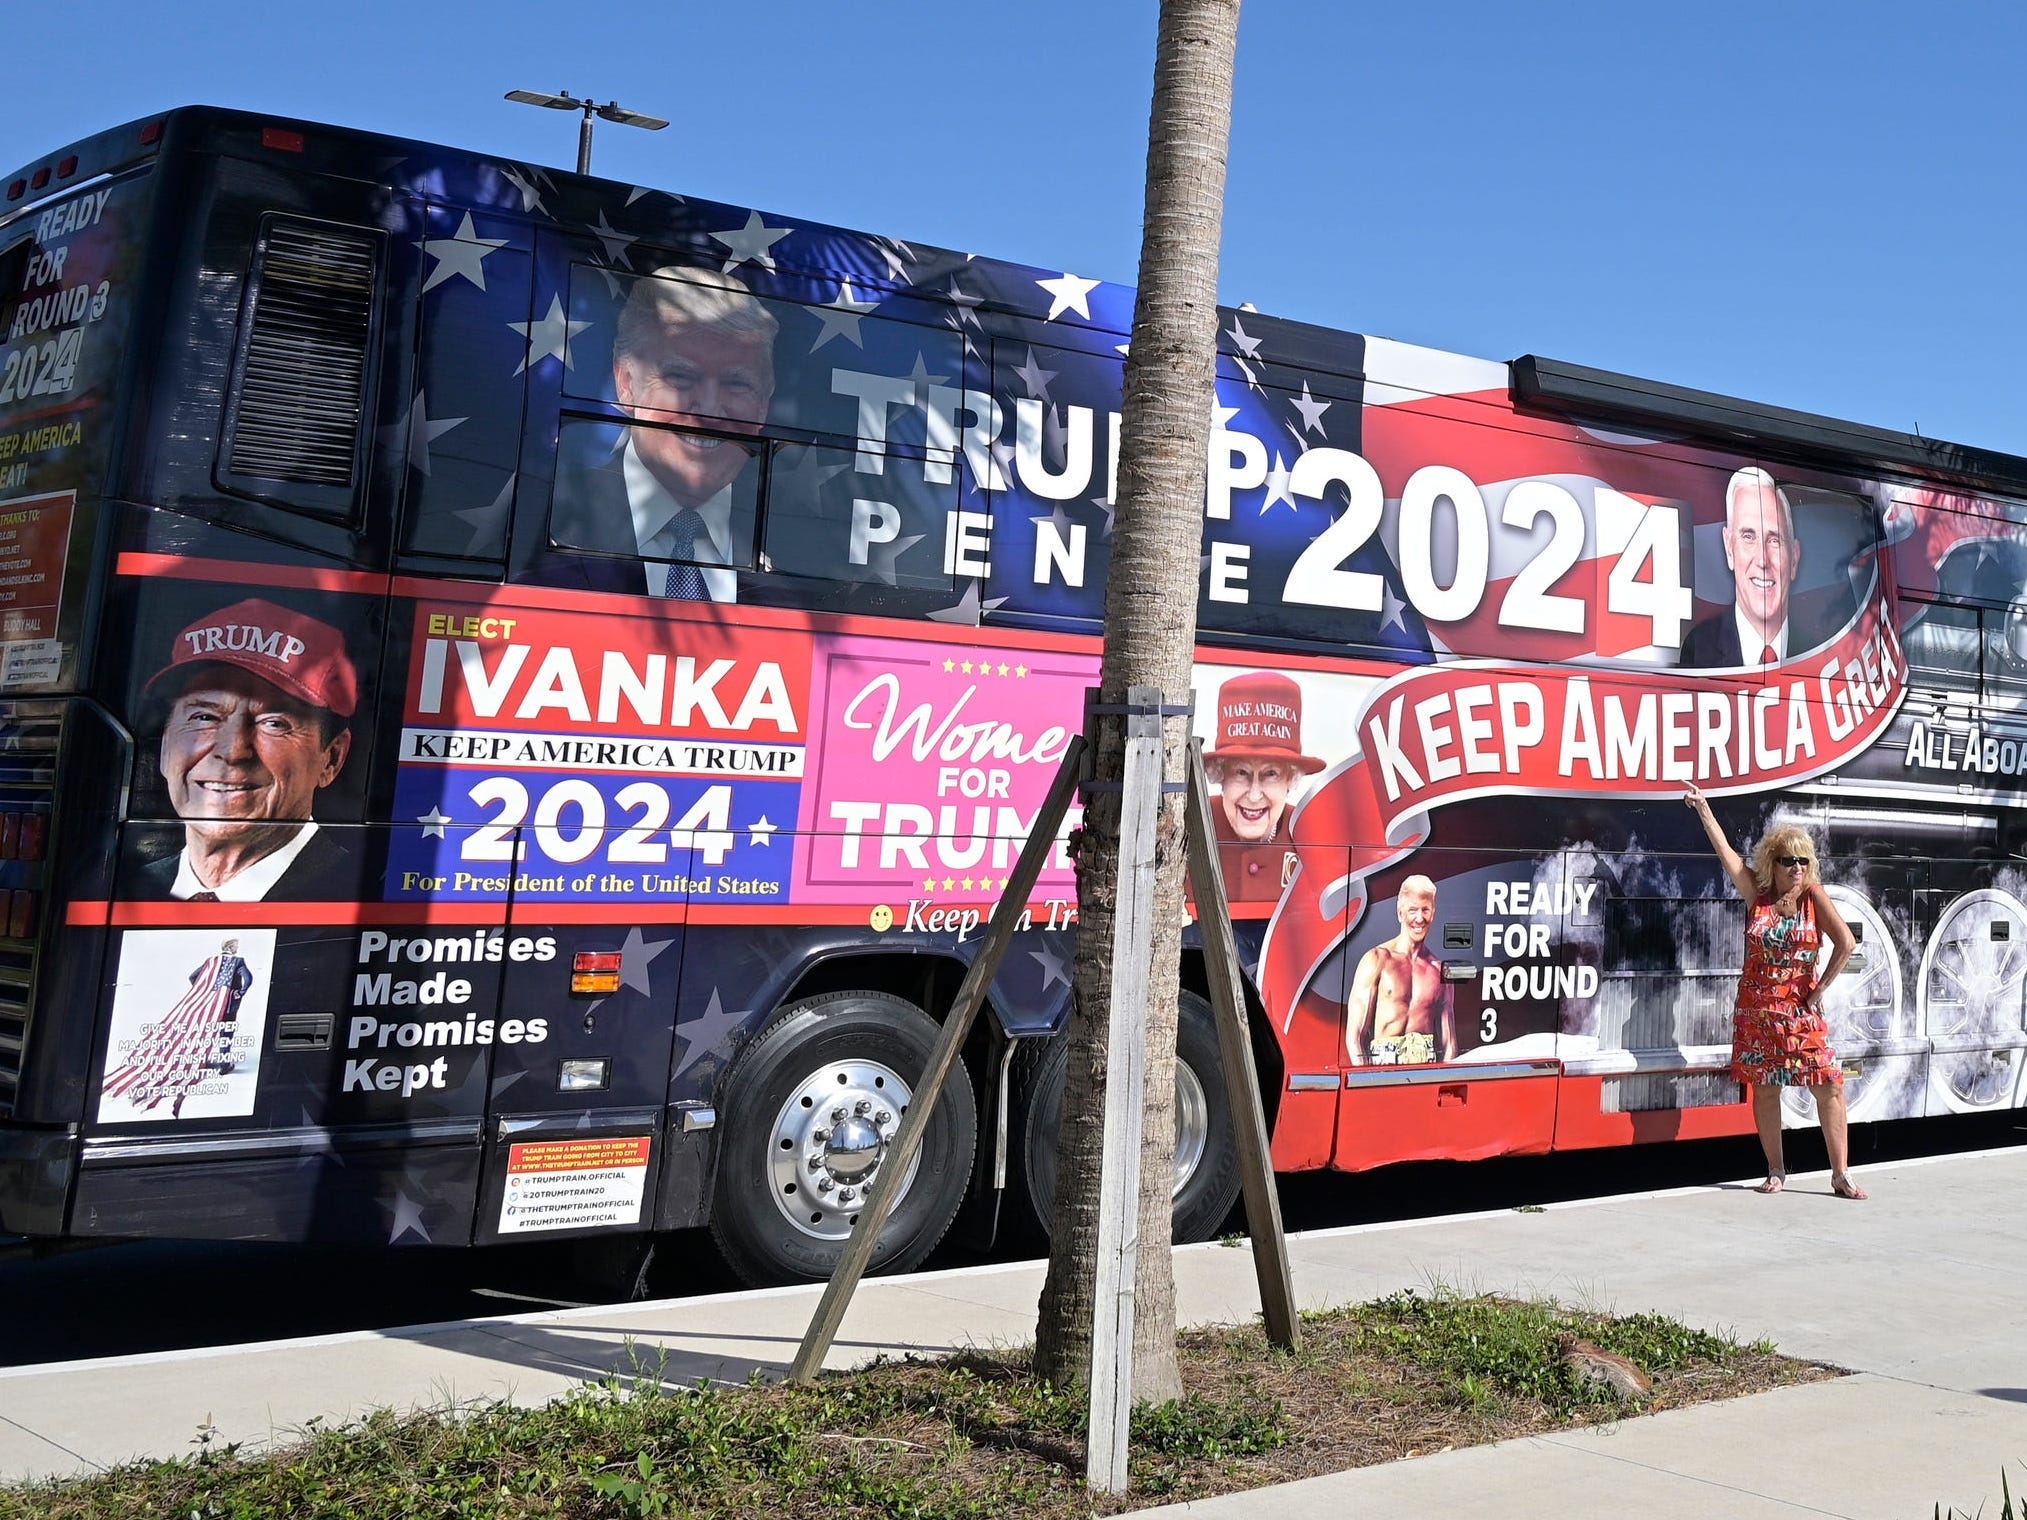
(1774, 1183)
(1842, 1185)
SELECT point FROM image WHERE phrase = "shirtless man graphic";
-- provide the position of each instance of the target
(1401, 1010)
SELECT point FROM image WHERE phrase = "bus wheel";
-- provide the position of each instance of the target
(812, 1107)
(1206, 1157)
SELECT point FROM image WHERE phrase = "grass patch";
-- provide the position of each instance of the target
(974, 1437)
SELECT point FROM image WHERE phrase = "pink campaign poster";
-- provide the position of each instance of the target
(930, 765)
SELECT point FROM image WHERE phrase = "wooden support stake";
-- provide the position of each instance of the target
(1242, 1078)
(1125, 1087)
(894, 1167)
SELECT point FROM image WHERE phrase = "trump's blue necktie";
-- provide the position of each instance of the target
(680, 537)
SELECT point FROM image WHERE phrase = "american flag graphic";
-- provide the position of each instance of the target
(192, 1041)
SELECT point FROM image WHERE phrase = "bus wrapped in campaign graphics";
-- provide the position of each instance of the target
(520, 693)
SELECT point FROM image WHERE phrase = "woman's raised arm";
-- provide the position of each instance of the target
(1735, 868)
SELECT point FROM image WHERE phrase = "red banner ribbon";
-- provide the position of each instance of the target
(1438, 734)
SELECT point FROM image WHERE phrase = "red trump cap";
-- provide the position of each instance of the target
(1260, 718)
(290, 651)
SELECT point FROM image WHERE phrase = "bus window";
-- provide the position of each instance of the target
(666, 507)
(827, 521)
(1943, 647)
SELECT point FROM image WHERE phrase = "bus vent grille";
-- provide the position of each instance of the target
(17, 978)
(31, 738)
(299, 406)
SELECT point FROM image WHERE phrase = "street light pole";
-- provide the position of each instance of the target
(611, 111)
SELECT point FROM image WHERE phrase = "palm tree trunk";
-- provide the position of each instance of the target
(1150, 629)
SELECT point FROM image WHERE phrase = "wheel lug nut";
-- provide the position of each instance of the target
(846, 1195)
(863, 1106)
(820, 1135)
(838, 1113)
(823, 1184)
(816, 1163)
(883, 1117)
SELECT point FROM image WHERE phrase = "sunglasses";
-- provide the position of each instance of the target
(1791, 861)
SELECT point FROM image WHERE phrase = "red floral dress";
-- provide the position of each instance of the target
(1776, 1040)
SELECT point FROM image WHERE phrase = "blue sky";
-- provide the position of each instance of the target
(1805, 203)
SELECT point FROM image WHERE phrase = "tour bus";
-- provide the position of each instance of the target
(521, 691)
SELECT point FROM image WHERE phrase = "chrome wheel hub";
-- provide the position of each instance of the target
(829, 1141)
(1192, 1125)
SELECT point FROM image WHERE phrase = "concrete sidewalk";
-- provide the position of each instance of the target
(1923, 1291)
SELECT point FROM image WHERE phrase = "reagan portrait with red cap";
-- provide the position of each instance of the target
(1254, 763)
(256, 704)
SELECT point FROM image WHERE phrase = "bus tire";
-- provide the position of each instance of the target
(1207, 1156)
(811, 1107)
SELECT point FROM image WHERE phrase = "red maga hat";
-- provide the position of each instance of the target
(290, 651)
(1260, 718)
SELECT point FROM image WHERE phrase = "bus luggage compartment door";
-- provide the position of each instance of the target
(574, 1134)
(1454, 1112)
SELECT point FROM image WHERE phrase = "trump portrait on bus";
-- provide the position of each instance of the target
(693, 368)
(256, 704)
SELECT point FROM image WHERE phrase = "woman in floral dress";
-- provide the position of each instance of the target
(1779, 1037)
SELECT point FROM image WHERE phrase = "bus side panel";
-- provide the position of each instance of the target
(1581, 1122)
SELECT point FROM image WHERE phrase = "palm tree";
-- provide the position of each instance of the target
(1150, 628)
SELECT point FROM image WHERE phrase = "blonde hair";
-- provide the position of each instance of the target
(1788, 839)
(673, 298)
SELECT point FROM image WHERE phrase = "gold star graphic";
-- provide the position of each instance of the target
(948, 666)
(929, 884)
(1021, 672)
(949, 884)
(967, 667)
(1002, 667)
(968, 883)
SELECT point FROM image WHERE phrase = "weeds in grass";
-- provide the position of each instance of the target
(975, 1437)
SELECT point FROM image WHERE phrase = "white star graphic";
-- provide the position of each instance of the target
(921, 376)
(965, 303)
(708, 1032)
(1242, 340)
(1058, 519)
(841, 318)
(1311, 409)
(489, 522)
(433, 821)
(464, 254)
(1277, 486)
(612, 239)
(761, 833)
(750, 244)
(895, 254)
(1054, 967)
(422, 431)
(1391, 608)
(1035, 378)
(884, 558)
(1068, 293)
(1252, 380)
(1221, 414)
(967, 608)
(635, 956)
(548, 338)
(407, 1220)
(531, 199)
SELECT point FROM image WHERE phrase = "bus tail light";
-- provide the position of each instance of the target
(18, 189)
(281, 138)
(151, 134)
(594, 971)
(41, 178)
